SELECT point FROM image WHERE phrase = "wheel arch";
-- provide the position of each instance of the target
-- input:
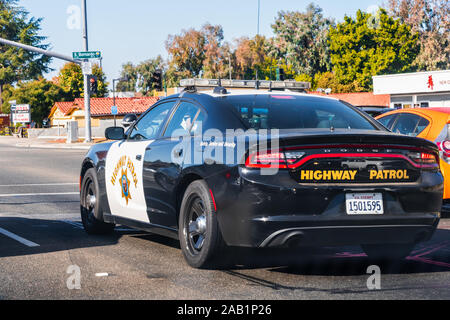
(87, 164)
(181, 189)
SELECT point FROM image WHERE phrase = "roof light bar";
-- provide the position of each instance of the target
(262, 84)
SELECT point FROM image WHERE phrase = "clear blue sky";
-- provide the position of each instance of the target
(135, 30)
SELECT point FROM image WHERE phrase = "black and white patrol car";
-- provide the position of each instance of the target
(262, 167)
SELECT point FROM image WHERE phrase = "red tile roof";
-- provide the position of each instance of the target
(64, 107)
(102, 106)
(360, 99)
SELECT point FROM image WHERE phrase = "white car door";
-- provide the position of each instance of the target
(125, 162)
(124, 185)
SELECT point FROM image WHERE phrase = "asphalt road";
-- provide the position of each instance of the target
(41, 237)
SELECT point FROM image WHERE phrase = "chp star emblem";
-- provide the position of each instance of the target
(125, 183)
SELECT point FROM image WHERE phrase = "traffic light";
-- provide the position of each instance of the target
(157, 80)
(93, 85)
(280, 74)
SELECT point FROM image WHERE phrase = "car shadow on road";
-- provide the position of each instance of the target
(58, 235)
(428, 257)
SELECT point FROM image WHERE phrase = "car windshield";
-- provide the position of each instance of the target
(295, 112)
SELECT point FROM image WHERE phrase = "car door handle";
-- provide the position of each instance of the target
(138, 157)
(178, 152)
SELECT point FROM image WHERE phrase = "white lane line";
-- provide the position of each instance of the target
(37, 194)
(37, 185)
(17, 238)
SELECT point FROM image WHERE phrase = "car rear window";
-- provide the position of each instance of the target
(295, 112)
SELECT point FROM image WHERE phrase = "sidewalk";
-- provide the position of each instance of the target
(47, 143)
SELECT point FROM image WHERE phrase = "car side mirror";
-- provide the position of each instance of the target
(115, 133)
(129, 120)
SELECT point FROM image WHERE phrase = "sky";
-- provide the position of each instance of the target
(136, 30)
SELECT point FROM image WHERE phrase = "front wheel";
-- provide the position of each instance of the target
(200, 237)
(388, 252)
(90, 205)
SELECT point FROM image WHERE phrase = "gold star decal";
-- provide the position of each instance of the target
(125, 184)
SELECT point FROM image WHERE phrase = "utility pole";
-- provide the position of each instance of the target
(257, 29)
(229, 62)
(87, 97)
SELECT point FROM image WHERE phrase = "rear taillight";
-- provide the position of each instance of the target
(444, 150)
(273, 159)
(446, 146)
(266, 159)
(425, 159)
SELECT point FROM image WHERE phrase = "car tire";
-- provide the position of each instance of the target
(90, 207)
(387, 252)
(199, 233)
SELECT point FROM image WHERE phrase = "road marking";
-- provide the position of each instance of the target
(102, 274)
(38, 185)
(37, 194)
(17, 238)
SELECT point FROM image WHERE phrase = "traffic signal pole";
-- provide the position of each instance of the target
(87, 94)
(52, 54)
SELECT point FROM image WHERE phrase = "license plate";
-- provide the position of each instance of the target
(364, 203)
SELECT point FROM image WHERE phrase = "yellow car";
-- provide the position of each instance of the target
(432, 124)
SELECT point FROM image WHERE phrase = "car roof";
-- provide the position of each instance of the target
(422, 111)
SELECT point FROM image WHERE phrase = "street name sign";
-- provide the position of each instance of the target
(87, 55)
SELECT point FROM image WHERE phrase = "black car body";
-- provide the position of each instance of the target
(334, 158)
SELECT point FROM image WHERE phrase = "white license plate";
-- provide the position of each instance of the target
(364, 203)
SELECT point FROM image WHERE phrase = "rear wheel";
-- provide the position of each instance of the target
(388, 252)
(199, 233)
(90, 205)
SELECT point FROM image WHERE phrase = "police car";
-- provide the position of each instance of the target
(261, 164)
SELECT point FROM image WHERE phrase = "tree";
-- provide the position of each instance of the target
(129, 71)
(71, 80)
(186, 53)
(215, 53)
(251, 54)
(301, 40)
(268, 69)
(40, 94)
(366, 47)
(139, 77)
(431, 19)
(197, 53)
(145, 71)
(328, 80)
(18, 64)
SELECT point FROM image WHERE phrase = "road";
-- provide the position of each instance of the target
(41, 238)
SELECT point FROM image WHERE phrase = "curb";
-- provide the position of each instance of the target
(48, 146)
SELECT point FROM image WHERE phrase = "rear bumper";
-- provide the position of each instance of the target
(253, 214)
(349, 235)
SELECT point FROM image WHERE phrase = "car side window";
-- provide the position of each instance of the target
(423, 124)
(388, 121)
(410, 124)
(147, 128)
(184, 120)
